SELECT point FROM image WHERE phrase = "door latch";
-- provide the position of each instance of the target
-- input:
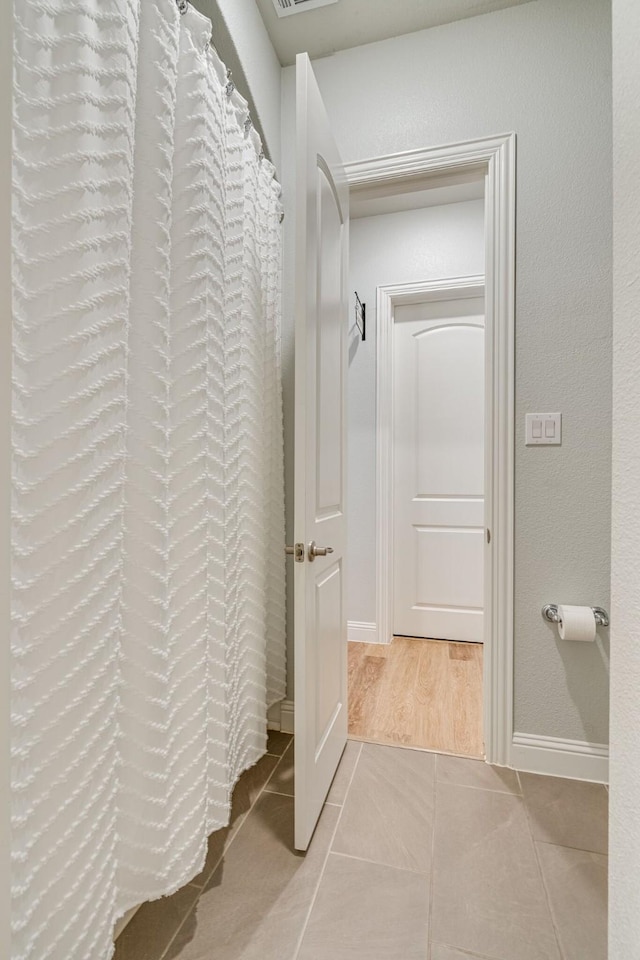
(296, 550)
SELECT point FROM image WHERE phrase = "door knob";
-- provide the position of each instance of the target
(315, 551)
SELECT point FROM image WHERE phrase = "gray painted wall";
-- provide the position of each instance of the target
(542, 69)
(242, 42)
(6, 91)
(428, 244)
(624, 863)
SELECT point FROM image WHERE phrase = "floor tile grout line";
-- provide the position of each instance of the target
(305, 924)
(547, 896)
(278, 793)
(353, 773)
(534, 842)
(412, 746)
(517, 772)
(288, 747)
(473, 955)
(246, 816)
(551, 842)
(470, 786)
(225, 848)
(566, 846)
(379, 863)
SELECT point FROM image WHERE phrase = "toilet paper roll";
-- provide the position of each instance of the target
(576, 623)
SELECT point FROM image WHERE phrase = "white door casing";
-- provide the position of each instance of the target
(493, 157)
(438, 465)
(320, 627)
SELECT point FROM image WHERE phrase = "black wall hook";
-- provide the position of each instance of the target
(361, 317)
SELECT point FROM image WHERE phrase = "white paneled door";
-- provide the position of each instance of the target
(320, 626)
(438, 469)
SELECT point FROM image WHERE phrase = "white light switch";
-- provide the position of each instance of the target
(543, 428)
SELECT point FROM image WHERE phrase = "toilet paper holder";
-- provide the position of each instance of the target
(550, 613)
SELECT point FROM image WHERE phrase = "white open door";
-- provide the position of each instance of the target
(322, 228)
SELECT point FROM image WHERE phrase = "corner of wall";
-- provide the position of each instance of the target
(6, 38)
(243, 43)
(287, 180)
(624, 885)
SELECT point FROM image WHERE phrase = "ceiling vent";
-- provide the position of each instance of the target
(284, 8)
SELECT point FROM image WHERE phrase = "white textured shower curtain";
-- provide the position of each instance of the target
(148, 572)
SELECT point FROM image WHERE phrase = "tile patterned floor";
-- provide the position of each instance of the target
(417, 856)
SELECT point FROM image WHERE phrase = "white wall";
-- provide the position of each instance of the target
(243, 43)
(541, 69)
(6, 39)
(428, 244)
(624, 924)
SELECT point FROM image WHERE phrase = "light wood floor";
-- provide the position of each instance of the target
(418, 693)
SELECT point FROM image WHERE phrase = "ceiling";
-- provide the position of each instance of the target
(377, 201)
(350, 23)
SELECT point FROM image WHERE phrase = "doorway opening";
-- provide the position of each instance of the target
(430, 399)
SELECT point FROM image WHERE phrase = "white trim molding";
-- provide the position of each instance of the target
(554, 757)
(362, 632)
(468, 159)
(287, 713)
(280, 716)
(389, 297)
(494, 159)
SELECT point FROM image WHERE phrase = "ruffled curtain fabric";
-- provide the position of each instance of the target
(148, 521)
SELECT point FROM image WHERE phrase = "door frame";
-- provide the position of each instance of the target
(493, 158)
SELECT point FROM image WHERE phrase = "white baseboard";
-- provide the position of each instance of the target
(280, 716)
(286, 716)
(273, 716)
(554, 757)
(362, 632)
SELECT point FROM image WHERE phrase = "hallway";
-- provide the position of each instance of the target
(417, 693)
(417, 856)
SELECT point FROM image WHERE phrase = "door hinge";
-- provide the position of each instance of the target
(297, 551)
(488, 535)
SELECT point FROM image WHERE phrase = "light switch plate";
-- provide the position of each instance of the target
(543, 428)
